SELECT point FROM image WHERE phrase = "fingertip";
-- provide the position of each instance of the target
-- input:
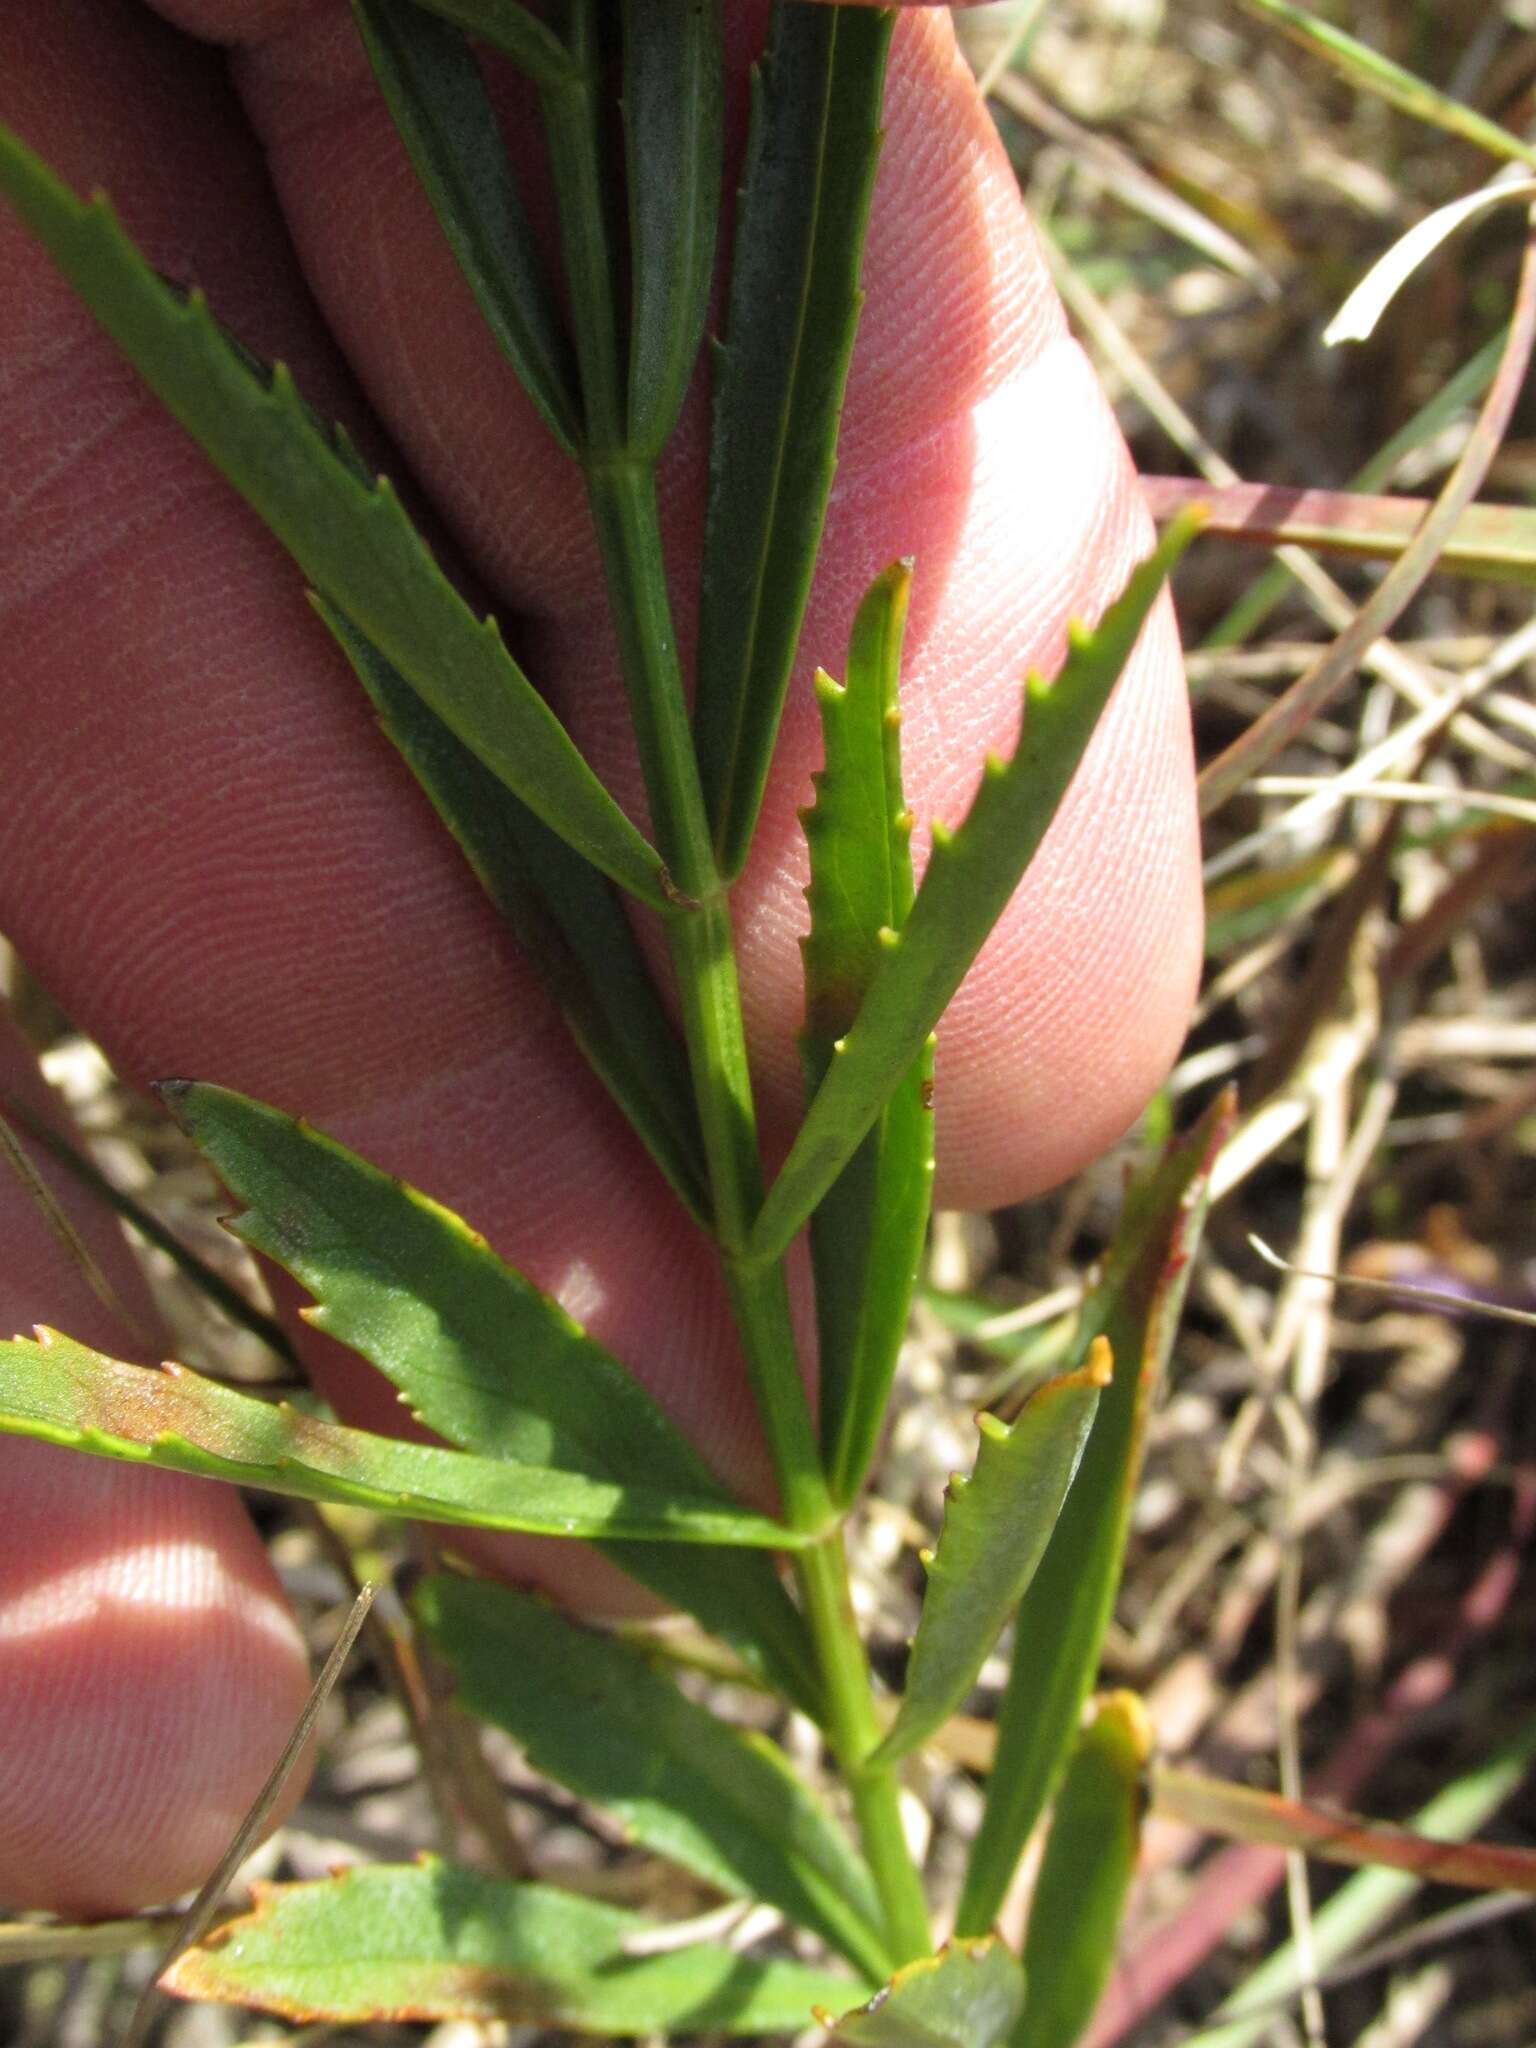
(150, 1672)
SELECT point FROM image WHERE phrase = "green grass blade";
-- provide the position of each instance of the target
(430, 1941)
(867, 1234)
(967, 1996)
(673, 102)
(997, 1524)
(352, 539)
(971, 874)
(1090, 1859)
(723, 1804)
(1061, 1622)
(779, 381)
(438, 101)
(57, 1391)
(566, 916)
(1405, 90)
(479, 1354)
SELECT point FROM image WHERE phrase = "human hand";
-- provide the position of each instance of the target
(213, 860)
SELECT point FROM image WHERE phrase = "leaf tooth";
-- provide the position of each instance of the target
(993, 1427)
(887, 939)
(942, 838)
(830, 693)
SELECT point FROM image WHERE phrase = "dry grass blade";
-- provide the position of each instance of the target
(1493, 541)
(1246, 1815)
(200, 1915)
(1134, 185)
(1401, 1290)
(1287, 717)
(75, 1246)
(23, 1941)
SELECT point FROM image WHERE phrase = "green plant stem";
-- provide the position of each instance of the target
(623, 497)
(855, 1733)
(624, 508)
(573, 126)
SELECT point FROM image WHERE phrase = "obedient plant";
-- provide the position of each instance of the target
(539, 1429)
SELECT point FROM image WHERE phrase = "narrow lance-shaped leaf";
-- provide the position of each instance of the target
(353, 540)
(430, 1941)
(967, 1996)
(592, 1714)
(515, 31)
(571, 926)
(1090, 1859)
(1059, 1633)
(779, 381)
(867, 1233)
(57, 1391)
(438, 101)
(673, 101)
(478, 1353)
(997, 1524)
(971, 874)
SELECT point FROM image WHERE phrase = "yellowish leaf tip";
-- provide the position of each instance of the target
(1125, 1713)
(1099, 1365)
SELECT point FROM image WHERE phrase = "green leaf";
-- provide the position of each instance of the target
(480, 1355)
(428, 1941)
(867, 1232)
(565, 914)
(1060, 1629)
(997, 1524)
(779, 380)
(673, 97)
(971, 874)
(516, 32)
(592, 1714)
(60, 1392)
(352, 539)
(967, 1996)
(1090, 1859)
(438, 101)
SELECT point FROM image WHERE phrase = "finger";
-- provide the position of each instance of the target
(207, 851)
(149, 1667)
(974, 437)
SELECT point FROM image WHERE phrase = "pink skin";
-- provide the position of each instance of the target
(216, 864)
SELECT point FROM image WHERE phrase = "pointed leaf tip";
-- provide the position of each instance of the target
(969, 1995)
(997, 1524)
